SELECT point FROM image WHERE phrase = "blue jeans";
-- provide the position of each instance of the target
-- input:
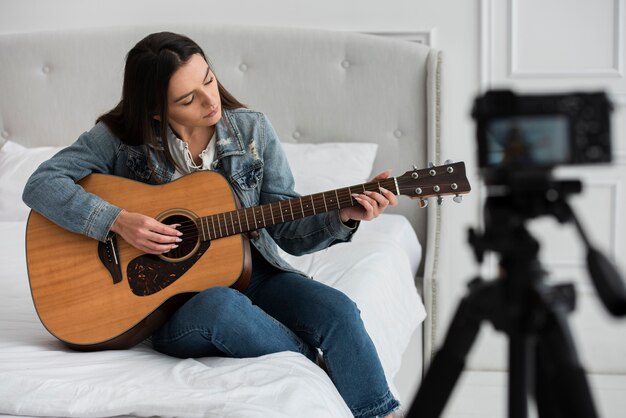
(283, 311)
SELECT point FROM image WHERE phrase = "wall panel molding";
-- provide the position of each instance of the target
(615, 71)
(422, 36)
(486, 45)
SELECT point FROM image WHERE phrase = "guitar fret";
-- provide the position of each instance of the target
(263, 215)
(324, 200)
(280, 208)
(247, 222)
(291, 209)
(232, 222)
(302, 208)
(259, 220)
(202, 228)
(312, 204)
(287, 213)
(219, 226)
(254, 216)
(338, 202)
(214, 230)
(239, 219)
(272, 213)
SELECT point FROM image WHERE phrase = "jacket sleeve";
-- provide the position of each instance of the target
(52, 190)
(305, 235)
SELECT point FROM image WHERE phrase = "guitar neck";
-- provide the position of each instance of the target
(249, 219)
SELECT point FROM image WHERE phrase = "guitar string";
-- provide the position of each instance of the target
(191, 225)
(193, 231)
(317, 199)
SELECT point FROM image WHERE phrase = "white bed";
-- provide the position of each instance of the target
(378, 270)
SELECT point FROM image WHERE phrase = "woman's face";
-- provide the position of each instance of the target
(193, 97)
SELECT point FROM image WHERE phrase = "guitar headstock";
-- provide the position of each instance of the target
(443, 180)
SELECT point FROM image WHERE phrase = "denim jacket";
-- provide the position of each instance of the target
(248, 154)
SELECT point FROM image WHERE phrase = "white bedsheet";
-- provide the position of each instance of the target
(41, 377)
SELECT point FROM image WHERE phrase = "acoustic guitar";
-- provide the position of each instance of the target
(95, 295)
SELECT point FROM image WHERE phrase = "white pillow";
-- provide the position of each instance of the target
(17, 163)
(316, 168)
(330, 165)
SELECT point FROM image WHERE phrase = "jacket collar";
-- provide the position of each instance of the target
(228, 137)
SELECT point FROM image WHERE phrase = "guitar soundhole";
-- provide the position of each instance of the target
(190, 239)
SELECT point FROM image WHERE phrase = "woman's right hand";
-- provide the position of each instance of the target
(146, 233)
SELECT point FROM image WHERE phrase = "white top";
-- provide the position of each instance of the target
(182, 155)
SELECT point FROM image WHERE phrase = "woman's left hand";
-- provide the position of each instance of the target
(371, 204)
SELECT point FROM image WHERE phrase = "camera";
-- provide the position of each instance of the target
(520, 139)
(521, 133)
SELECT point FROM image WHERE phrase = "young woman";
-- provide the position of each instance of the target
(176, 118)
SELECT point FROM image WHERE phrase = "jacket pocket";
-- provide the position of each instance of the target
(250, 176)
(137, 164)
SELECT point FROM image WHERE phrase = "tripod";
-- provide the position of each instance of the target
(543, 362)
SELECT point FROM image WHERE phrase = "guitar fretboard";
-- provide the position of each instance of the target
(249, 219)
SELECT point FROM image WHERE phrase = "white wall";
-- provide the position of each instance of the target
(533, 45)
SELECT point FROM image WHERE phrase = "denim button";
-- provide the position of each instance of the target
(296, 135)
(345, 63)
(397, 133)
(243, 68)
(45, 69)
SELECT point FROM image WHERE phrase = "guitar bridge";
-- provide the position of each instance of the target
(109, 256)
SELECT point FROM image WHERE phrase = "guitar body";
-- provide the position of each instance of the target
(94, 296)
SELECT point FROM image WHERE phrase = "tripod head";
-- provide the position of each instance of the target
(529, 194)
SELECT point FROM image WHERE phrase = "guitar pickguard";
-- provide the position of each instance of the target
(149, 274)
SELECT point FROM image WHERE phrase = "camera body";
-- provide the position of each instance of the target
(534, 133)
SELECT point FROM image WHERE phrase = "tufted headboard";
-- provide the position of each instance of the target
(315, 86)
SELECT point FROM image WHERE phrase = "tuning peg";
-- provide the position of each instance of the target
(439, 200)
(458, 198)
(415, 167)
(422, 203)
(431, 164)
(446, 162)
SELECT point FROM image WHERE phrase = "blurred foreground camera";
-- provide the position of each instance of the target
(518, 133)
(520, 139)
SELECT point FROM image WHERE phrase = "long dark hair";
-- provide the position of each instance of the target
(149, 66)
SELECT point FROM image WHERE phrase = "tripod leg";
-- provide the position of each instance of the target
(564, 390)
(449, 361)
(545, 396)
(518, 374)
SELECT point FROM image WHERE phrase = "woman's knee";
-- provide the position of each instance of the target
(343, 309)
(223, 300)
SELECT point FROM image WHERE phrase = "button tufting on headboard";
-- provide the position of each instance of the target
(305, 81)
